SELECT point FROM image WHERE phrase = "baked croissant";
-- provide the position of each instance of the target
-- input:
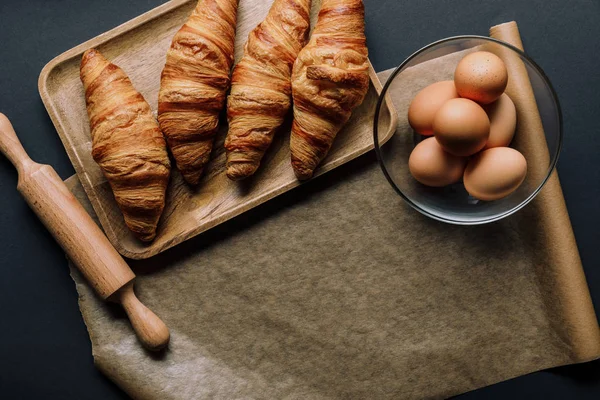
(261, 90)
(330, 78)
(126, 143)
(193, 84)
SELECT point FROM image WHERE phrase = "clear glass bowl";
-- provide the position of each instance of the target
(452, 203)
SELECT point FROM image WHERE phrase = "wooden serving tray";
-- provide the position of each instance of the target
(139, 47)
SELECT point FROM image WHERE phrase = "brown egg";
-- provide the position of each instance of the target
(495, 173)
(426, 103)
(432, 166)
(461, 127)
(481, 77)
(503, 121)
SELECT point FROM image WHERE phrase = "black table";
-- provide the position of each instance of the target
(45, 351)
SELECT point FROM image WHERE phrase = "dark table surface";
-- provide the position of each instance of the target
(45, 351)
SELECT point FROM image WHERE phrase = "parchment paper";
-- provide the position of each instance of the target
(339, 290)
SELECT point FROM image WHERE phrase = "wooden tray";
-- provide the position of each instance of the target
(139, 47)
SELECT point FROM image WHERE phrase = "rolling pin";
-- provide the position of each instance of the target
(80, 237)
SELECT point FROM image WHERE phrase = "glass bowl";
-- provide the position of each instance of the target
(541, 147)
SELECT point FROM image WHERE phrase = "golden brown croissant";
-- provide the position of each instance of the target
(261, 90)
(193, 84)
(330, 78)
(126, 143)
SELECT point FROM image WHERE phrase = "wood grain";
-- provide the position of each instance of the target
(80, 237)
(139, 47)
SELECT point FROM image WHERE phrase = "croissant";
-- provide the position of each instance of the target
(330, 78)
(126, 143)
(261, 90)
(193, 84)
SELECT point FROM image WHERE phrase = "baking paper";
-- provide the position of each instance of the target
(340, 290)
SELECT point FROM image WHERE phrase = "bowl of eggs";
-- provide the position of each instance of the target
(459, 153)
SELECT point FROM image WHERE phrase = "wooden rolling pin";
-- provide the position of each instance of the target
(85, 244)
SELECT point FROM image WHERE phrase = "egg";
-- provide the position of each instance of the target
(426, 103)
(461, 127)
(503, 121)
(432, 166)
(495, 173)
(481, 76)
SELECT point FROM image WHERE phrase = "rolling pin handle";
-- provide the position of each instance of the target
(150, 330)
(11, 147)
